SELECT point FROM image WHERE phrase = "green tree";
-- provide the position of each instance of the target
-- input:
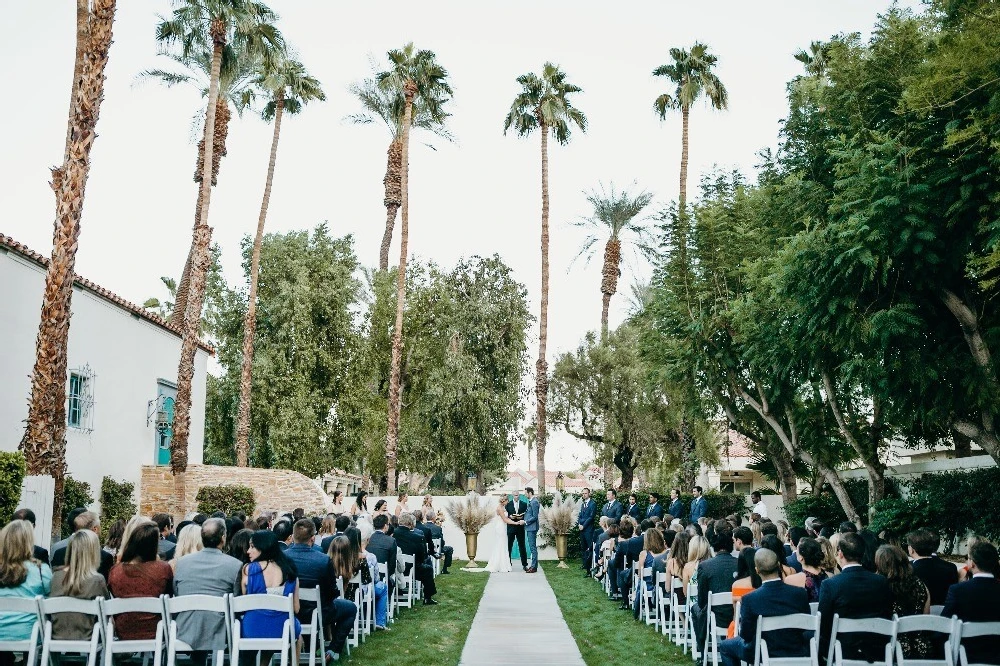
(291, 88)
(543, 104)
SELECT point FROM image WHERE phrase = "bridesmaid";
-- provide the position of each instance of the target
(401, 504)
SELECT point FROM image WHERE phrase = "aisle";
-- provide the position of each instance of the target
(519, 622)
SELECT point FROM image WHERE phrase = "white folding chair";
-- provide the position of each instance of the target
(407, 594)
(364, 597)
(813, 607)
(112, 608)
(205, 603)
(974, 630)
(715, 631)
(661, 592)
(30, 645)
(677, 611)
(690, 639)
(354, 635)
(872, 625)
(88, 646)
(945, 626)
(803, 621)
(284, 645)
(383, 575)
(437, 560)
(647, 602)
(314, 628)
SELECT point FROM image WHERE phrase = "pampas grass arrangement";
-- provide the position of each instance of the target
(470, 516)
(561, 516)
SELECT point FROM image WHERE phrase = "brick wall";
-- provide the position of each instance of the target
(278, 489)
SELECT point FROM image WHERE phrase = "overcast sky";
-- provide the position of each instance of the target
(478, 196)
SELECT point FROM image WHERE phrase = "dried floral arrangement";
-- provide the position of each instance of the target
(469, 514)
(561, 516)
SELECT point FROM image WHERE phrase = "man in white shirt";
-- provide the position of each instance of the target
(758, 507)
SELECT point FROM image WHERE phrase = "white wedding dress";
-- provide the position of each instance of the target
(499, 561)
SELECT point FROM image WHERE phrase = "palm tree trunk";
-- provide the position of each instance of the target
(222, 117)
(246, 373)
(44, 439)
(395, 395)
(609, 280)
(201, 241)
(682, 195)
(393, 197)
(541, 365)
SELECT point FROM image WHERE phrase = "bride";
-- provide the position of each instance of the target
(500, 558)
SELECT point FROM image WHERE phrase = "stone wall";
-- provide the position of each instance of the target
(274, 489)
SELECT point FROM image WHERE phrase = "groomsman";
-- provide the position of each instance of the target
(613, 508)
(633, 509)
(676, 508)
(654, 509)
(699, 505)
(586, 522)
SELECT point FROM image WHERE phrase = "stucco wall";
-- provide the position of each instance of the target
(127, 355)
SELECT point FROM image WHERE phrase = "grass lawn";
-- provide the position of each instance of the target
(604, 634)
(428, 635)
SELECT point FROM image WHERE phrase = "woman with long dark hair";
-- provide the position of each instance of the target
(810, 556)
(269, 572)
(140, 574)
(360, 506)
(909, 597)
(239, 545)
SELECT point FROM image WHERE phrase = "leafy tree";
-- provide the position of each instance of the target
(543, 104)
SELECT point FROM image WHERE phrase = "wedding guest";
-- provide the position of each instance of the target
(795, 534)
(22, 576)
(238, 546)
(189, 542)
(165, 522)
(268, 572)
(975, 600)
(411, 543)
(698, 552)
(812, 575)
(447, 552)
(86, 520)
(715, 575)
(677, 560)
(115, 535)
(376, 587)
(829, 564)
(81, 580)
(938, 575)
(758, 504)
(654, 551)
(141, 574)
(909, 597)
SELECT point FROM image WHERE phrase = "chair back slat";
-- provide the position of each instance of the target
(976, 629)
(273, 602)
(117, 606)
(54, 605)
(802, 621)
(870, 625)
(196, 602)
(934, 623)
(19, 605)
(309, 594)
(720, 599)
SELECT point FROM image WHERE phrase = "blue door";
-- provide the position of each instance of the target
(166, 395)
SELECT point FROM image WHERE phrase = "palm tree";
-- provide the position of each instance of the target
(291, 88)
(544, 104)
(416, 73)
(614, 214)
(388, 104)
(44, 439)
(194, 26)
(691, 73)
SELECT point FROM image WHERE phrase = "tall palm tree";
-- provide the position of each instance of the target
(388, 104)
(44, 439)
(291, 88)
(693, 78)
(416, 73)
(544, 104)
(614, 215)
(194, 26)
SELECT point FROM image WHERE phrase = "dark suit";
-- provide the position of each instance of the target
(855, 594)
(676, 508)
(613, 510)
(626, 553)
(315, 570)
(772, 599)
(714, 575)
(634, 511)
(447, 552)
(428, 538)
(976, 601)
(327, 540)
(654, 510)
(699, 508)
(384, 548)
(588, 510)
(517, 531)
(41, 555)
(107, 561)
(412, 543)
(938, 575)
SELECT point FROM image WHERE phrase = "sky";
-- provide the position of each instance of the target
(478, 196)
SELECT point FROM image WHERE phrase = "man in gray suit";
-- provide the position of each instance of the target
(531, 528)
(209, 571)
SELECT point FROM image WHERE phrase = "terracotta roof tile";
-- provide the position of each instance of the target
(28, 253)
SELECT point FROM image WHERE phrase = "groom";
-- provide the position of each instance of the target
(516, 509)
(531, 528)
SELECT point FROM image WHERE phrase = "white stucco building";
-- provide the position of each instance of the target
(122, 368)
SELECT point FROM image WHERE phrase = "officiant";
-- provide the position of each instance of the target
(516, 509)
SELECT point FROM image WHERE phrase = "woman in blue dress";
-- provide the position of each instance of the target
(21, 575)
(269, 572)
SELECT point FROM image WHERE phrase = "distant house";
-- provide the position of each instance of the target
(733, 474)
(519, 479)
(120, 381)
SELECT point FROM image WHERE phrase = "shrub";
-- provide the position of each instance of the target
(826, 506)
(12, 471)
(116, 502)
(231, 499)
(75, 494)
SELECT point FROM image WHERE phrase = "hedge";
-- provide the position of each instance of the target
(12, 471)
(75, 494)
(952, 504)
(116, 502)
(231, 499)
(826, 506)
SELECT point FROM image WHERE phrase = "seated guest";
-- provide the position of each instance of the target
(69, 523)
(86, 520)
(38, 552)
(975, 600)
(628, 548)
(208, 571)
(810, 557)
(653, 550)
(78, 579)
(795, 534)
(419, 526)
(384, 547)
(377, 588)
(602, 535)
(678, 557)
(771, 542)
(328, 527)
(773, 599)
(141, 574)
(412, 543)
(830, 564)
(909, 597)
(116, 534)
(698, 552)
(165, 522)
(239, 546)
(22, 576)
(938, 575)
(715, 575)
(283, 533)
(607, 550)
(431, 526)
(856, 593)
(314, 570)
(269, 572)
(340, 524)
(188, 542)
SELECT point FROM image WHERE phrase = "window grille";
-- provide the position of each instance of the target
(80, 399)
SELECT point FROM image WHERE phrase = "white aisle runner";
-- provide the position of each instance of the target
(518, 623)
